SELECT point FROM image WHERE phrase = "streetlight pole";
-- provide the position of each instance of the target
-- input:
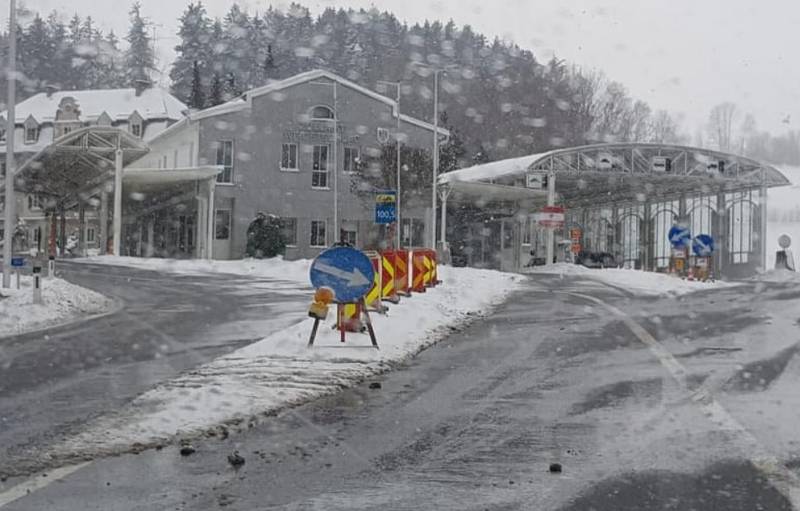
(398, 222)
(10, 200)
(435, 154)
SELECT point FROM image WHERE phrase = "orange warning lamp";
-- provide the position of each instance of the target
(323, 297)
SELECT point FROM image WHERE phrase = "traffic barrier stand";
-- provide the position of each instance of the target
(373, 297)
(418, 271)
(388, 276)
(348, 318)
(401, 274)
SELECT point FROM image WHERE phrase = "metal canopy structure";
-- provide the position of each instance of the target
(85, 166)
(622, 197)
(75, 164)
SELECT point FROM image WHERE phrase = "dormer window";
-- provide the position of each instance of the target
(104, 120)
(135, 125)
(2, 129)
(322, 113)
(31, 130)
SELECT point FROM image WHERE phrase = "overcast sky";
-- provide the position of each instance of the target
(681, 55)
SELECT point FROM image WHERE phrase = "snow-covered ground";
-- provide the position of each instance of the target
(281, 371)
(277, 268)
(636, 281)
(62, 302)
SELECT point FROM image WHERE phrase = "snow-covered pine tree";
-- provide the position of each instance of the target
(197, 98)
(195, 49)
(139, 58)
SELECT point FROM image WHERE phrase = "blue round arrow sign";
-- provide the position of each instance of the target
(703, 245)
(679, 236)
(347, 271)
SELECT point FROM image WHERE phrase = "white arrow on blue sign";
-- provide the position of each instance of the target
(679, 236)
(347, 271)
(703, 245)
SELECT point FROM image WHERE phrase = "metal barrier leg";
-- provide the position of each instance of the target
(369, 325)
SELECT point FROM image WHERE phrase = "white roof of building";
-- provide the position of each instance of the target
(153, 103)
(245, 101)
(493, 170)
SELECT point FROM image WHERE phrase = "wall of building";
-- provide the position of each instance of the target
(259, 183)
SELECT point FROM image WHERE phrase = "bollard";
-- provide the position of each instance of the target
(16, 271)
(51, 267)
(37, 285)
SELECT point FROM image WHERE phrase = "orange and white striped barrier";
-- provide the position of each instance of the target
(419, 272)
(401, 273)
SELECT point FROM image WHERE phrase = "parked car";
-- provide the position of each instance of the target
(595, 259)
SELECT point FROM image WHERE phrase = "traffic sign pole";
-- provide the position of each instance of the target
(551, 201)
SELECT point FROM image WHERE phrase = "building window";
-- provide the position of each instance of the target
(191, 154)
(290, 231)
(31, 135)
(289, 157)
(222, 224)
(225, 160)
(351, 158)
(526, 231)
(90, 235)
(2, 131)
(164, 161)
(319, 174)
(322, 113)
(318, 233)
(136, 129)
(175, 159)
(34, 203)
(349, 235)
(413, 234)
(67, 130)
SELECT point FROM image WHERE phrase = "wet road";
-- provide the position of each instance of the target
(650, 403)
(53, 382)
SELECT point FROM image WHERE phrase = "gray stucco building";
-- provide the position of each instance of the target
(276, 149)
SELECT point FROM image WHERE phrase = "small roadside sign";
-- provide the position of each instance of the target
(551, 217)
(346, 271)
(679, 236)
(386, 207)
(703, 245)
(536, 181)
(17, 262)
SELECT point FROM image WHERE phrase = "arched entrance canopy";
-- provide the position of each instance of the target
(624, 172)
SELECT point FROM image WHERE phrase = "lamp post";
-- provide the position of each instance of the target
(398, 222)
(335, 120)
(436, 71)
(10, 202)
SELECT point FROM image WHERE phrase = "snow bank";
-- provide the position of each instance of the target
(639, 282)
(62, 302)
(276, 268)
(280, 371)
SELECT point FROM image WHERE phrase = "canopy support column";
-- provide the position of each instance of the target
(103, 222)
(211, 223)
(762, 225)
(82, 229)
(551, 201)
(117, 201)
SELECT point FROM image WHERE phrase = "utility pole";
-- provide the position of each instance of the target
(9, 218)
(398, 222)
(435, 154)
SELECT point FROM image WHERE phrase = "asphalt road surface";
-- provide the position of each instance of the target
(650, 403)
(53, 382)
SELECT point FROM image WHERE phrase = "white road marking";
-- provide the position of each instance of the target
(786, 481)
(38, 482)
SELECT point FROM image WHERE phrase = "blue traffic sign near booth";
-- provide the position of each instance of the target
(703, 245)
(345, 270)
(386, 207)
(17, 262)
(679, 236)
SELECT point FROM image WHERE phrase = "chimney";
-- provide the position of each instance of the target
(50, 90)
(141, 86)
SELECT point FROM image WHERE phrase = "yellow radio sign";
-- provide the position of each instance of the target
(386, 198)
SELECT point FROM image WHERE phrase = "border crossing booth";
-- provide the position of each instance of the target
(619, 202)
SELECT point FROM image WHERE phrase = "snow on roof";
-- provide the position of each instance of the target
(245, 101)
(492, 170)
(153, 103)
